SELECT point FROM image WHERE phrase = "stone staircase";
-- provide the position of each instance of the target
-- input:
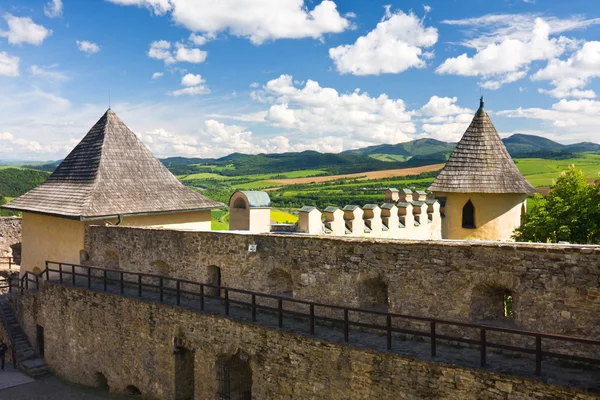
(27, 359)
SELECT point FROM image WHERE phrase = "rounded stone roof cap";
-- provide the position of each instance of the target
(256, 198)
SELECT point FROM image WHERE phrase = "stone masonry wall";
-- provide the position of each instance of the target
(10, 234)
(132, 342)
(555, 288)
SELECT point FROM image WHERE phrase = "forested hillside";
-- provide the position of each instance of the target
(17, 181)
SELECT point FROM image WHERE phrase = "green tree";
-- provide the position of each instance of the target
(570, 212)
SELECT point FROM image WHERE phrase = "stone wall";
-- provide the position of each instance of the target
(555, 288)
(90, 336)
(10, 234)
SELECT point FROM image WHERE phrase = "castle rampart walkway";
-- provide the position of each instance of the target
(286, 313)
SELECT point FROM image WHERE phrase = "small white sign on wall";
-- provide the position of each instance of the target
(252, 248)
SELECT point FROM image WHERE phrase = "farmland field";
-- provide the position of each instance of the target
(541, 172)
(362, 176)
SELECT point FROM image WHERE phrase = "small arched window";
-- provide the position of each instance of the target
(239, 203)
(468, 216)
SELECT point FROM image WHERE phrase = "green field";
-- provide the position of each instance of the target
(220, 218)
(541, 172)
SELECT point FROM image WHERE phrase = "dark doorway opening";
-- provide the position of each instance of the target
(234, 378)
(214, 278)
(133, 391)
(102, 382)
(16, 253)
(40, 340)
(184, 374)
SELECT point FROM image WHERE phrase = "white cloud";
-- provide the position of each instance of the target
(199, 40)
(191, 91)
(190, 55)
(317, 112)
(163, 50)
(443, 106)
(277, 144)
(9, 65)
(232, 137)
(157, 75)
(506, 45)
(395, 45)
(160, 50)
(24, 30)
(53, 8)
(568, 120)
(257, 20)
(571, 76)
(159, 7)
(88, 47)
(48, 73)
(192, 80)
(194, 85)
(444, 119)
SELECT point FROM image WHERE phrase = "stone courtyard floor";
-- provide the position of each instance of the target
(52, 388)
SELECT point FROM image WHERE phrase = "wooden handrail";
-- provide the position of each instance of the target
(432, 332)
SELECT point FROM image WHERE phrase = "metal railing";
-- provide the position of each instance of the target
(68, 273)
(8, 260)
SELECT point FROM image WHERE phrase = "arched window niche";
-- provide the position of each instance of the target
(468, 216)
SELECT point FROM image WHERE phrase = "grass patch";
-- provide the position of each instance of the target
(256, 185)
(283, 217)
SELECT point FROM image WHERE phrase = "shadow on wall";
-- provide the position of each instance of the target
(373, 294)
(280, 283)
(492, 302)
(160, 267)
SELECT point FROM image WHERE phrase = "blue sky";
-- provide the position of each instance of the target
(199, 78)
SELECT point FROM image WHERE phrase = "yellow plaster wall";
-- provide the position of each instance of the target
(60, 239)
(50, 238)
(496, 215)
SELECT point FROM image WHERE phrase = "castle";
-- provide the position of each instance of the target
(124, 287)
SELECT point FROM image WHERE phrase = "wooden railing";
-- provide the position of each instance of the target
(68, 273)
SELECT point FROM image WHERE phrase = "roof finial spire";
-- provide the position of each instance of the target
(481, 102)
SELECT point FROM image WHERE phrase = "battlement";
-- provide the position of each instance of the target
(404, 215)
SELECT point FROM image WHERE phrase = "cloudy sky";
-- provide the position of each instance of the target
(204, 78)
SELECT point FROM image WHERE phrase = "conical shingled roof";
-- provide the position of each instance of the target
(480, 163)
(110, 172)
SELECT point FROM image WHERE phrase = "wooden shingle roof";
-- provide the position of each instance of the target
(111, 172)
(480, 163)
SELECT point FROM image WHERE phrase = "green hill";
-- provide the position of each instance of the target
(380, 157)
(17, 181)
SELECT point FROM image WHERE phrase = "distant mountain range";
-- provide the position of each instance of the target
(385, 156)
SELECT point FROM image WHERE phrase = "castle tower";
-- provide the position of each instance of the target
(109, 177)
(482, 190)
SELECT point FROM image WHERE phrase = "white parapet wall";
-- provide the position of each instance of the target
(412, 217)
